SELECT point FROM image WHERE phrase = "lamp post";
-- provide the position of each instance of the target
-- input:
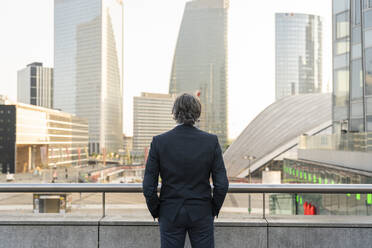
(250, 158)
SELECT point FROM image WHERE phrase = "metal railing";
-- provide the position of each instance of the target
(233, 188)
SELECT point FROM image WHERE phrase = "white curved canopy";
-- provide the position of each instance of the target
(276, 129)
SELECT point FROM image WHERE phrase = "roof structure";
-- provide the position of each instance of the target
(276, 130)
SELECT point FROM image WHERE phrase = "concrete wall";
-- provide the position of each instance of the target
(300, 231)
(354, 160)
(46, 232)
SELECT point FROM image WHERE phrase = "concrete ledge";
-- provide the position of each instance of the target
(123, 221)
(115, 231)
(320, 231)
(321, 221)
(48, 231)
(49, 220)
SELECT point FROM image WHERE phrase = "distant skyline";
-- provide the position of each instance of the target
(150, 35)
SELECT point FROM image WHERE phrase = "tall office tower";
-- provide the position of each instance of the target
(200, 62)
(298, 54)
(35, 85)
(88, 55)
(152, 115)
(352, 65)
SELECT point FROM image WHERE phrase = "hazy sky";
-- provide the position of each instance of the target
(150, 34)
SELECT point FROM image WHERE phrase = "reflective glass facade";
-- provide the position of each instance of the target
(295, 171)
(200, 62)
(352, 63)
(298, 54)
(88, 67)
(32, 137)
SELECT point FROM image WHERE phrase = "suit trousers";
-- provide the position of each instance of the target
(173, 234)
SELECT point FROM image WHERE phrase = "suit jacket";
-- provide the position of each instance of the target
(185, 158)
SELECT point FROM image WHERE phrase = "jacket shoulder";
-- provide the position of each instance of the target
(162, 135)
(208, 135)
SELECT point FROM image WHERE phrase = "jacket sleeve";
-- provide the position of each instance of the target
(150, 181)
(220, 181)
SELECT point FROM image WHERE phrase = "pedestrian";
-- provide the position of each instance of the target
(185, 158)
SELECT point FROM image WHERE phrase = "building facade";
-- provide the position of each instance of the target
(88, 54)
(352, 65)
(35, 85)
(298, 54)
(152, 115)
(32, 136)
(127, 144)
(200, 62)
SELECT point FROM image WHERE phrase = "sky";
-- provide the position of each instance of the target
(150, 34)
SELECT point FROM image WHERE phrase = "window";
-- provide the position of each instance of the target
(356, 51)
(356, 79)
(357, 125)
(33, 82)
(342, 46)
(368, 18)
(340, 5)
(356, 35)
(368, 60)
(369, 123)
(368, 38)
(33, 72)
(357, 110)
(356, 15)
(368, 101)
(341, 61)
(342, 25)
(341, 87)
(33, 92)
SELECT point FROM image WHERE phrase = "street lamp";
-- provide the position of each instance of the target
(250, 158)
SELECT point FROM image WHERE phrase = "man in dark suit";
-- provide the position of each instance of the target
(185, 158)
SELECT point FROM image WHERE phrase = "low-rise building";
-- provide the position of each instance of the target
(32, 137)
(152, 115)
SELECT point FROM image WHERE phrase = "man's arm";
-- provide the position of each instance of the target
(220, 181)
(150, 181)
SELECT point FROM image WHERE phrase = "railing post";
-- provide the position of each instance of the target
(263, 206)
(103, 204)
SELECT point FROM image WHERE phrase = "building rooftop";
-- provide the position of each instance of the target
(156, 95)
(277, 129)
(35, 64)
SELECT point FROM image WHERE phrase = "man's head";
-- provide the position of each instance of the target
(186, 109)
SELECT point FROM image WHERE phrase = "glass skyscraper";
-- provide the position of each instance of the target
(200, 62)
(352, 65)
(88, 50)
(298, 54)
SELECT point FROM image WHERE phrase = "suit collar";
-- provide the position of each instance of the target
(183, 126)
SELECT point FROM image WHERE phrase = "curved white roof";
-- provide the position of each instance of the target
(276, 129)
